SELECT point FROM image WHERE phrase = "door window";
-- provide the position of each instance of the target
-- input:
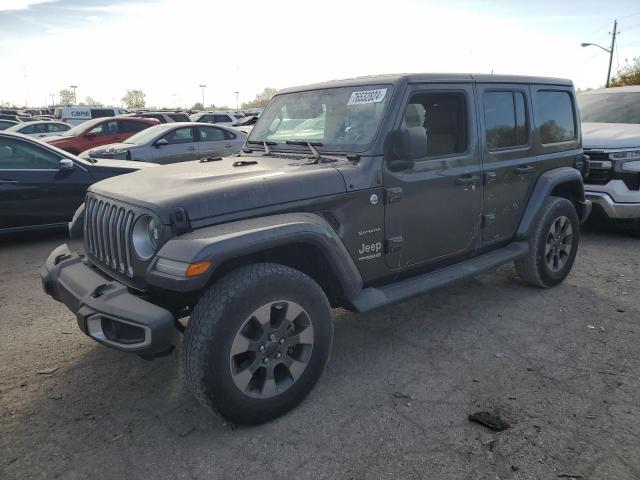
(442, 116)
(101, 112)
(180, 135)
(106, 128)
(19, 155)
(554, 112)
(211, 134)
(179, 117)
(221, 118)
(56, 127)
(505, 119)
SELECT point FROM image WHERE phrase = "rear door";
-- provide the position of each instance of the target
(508, 155)
(33, 190)
(181, 147)
(216, 142)
(432, 211)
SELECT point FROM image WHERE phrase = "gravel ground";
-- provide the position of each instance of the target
(562, 366)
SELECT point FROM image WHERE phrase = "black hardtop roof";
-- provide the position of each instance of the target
(431, 78)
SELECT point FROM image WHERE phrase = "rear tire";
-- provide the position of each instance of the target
(257, 342)
(552, 246)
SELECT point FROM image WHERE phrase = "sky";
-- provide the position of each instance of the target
(167, 48)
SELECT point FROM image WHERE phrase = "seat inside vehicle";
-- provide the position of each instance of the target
(443, 118)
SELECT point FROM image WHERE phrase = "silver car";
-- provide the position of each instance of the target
(40, 128)
(174, 142)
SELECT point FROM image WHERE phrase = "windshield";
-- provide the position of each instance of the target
(146, 135)
(346, 118)
(610, 107)
(78, 129)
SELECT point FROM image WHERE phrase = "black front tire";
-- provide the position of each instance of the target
(219, 317)
(535, 267)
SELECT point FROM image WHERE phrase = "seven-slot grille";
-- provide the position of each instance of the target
(107, 232)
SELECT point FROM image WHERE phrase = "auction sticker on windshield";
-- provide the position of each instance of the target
(367, 96)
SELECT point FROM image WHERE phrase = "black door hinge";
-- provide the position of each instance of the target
(394, 244)
(391, 195)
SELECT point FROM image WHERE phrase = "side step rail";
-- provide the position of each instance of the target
(374, 297)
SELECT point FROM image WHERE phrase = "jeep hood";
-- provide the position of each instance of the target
(610, 135)
(209, 189)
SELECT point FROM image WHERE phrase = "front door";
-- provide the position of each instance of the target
(433, 208)
(33, 189)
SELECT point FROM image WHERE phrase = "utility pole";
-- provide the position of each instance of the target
(613, 44)
(75, 99)
(203, 87)
(237, 93)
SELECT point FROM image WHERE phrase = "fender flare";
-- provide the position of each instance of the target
(220, 243)
(542, 189)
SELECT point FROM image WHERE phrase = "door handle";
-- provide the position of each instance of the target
(524, 169)
(8, 181)
(228, 146)
(467, 179)
(191, 148)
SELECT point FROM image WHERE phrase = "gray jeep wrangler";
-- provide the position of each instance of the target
(354, 194)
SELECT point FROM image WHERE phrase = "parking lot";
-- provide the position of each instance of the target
(562, 366)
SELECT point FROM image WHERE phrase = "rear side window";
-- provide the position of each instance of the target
(505, 119)
(180, 135)
(56, 127)
(211, 134)
(179, 117)
(554, 112)
(221, 118)
(101, 112)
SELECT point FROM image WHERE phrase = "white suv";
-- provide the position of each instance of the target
(221, 118)
(611, 137)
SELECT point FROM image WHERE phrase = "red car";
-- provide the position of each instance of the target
(99, 131)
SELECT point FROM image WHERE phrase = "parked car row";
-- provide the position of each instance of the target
(610, 130)
(174, 142)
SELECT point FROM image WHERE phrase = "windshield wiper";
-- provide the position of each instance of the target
(265, 143)
(311, 146)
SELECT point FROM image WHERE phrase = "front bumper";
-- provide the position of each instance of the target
(611, 208)
(105, 309)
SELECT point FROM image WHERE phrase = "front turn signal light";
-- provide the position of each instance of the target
(197, 268)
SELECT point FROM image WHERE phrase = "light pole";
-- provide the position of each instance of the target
(203, 87)
(237, 93)
(75, 99)
(608, 50)
(53, 103)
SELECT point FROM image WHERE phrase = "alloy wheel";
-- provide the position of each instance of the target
(271, 349)
(559, 243)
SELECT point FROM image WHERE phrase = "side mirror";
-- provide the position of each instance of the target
(66, 164)
(404, 146)
(161, 143)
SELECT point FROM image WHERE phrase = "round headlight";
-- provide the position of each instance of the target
(145, 237)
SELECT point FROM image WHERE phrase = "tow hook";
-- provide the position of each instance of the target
(100, 289)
